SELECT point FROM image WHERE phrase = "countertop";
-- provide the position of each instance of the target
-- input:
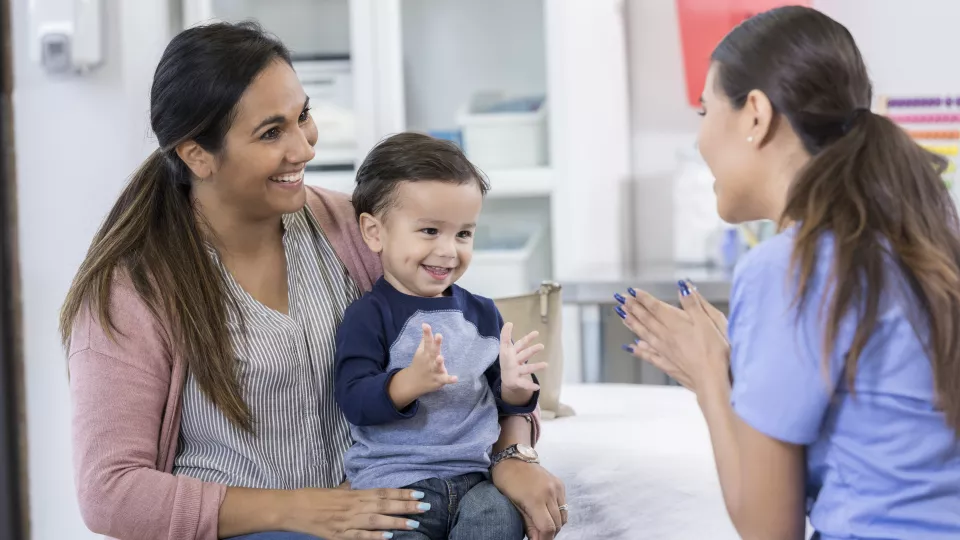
(660, 281)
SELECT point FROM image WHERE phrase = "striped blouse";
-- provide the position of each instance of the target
(286, 367)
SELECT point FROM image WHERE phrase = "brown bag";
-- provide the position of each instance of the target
(541, 311)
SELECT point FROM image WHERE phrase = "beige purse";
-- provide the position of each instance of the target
(541, 311)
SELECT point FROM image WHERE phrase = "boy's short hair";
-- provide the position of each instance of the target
(410, 157)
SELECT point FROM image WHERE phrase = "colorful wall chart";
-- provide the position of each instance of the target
(932, 121)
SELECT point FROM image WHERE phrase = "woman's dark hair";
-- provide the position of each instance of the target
(868, 184)
(410, 157)
(152, 234)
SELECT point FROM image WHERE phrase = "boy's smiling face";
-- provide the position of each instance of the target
(425, 235)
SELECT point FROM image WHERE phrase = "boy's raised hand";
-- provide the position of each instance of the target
(425, 374)
(428, 363)
(516, 384)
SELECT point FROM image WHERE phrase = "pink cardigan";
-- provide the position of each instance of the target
(126, 407)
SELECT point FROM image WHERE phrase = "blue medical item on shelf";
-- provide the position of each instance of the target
(453, 135)
(510, 105)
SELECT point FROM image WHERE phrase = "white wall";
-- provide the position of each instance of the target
(76, 142)
(662, 123)
(908, 45)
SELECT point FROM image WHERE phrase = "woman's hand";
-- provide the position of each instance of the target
(336, 514)
(689, 345)
(536, 493)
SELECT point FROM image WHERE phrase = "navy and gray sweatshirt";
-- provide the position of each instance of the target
(443, 434)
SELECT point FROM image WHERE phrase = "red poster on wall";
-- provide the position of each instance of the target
(703, 23)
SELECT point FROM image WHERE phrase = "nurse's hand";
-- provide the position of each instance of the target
(689, 345)
(717, 316)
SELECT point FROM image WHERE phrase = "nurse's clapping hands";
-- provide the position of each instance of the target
(689, 344)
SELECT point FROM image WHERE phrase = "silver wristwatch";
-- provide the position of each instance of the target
(516, 451)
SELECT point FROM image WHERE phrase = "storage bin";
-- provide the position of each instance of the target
(508, 260)
(502, 133)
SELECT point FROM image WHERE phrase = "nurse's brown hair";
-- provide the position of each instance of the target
(868, 184)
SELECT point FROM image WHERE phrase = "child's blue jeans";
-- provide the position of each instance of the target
(467, 507)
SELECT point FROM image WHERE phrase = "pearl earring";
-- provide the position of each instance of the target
(750, 139)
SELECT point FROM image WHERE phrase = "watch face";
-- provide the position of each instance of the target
(526, 451)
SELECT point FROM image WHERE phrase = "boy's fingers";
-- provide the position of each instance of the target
(526, 340)
(427, 333)
(506, 334)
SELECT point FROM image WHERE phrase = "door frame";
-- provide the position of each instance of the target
(13, 494)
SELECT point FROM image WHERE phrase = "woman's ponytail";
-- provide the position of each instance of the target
(120, 236)
(882, 197)
(151, 234)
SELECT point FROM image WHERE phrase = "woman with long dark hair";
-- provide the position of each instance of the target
(201, 326)
(843, 343)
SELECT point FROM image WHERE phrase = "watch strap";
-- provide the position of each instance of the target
(508, 453)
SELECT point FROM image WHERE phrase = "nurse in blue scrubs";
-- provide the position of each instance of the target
(833, 392)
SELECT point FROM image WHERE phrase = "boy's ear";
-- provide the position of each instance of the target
(371, 228)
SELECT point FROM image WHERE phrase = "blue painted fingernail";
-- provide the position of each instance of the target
(413, 524)
(621, 312)
(628, 348)
(684, 290)
(632, 292)
(424, 506)
(619, 298)
(418, 495)
(388, 535)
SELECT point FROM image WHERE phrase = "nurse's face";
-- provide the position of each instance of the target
(730, 150)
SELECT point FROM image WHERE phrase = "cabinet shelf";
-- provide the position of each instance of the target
(534, 182)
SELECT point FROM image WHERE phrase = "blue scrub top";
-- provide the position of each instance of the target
(881, 461)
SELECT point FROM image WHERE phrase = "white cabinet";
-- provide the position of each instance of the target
(418, 64)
